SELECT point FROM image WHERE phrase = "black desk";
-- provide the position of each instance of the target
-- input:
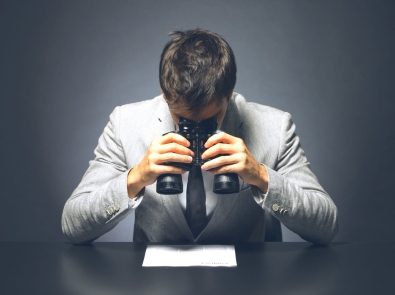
(267, 268)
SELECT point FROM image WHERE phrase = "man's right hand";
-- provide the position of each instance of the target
(171, 147)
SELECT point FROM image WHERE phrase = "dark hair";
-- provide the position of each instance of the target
(196, 68)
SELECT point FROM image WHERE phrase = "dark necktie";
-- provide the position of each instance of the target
(196, 201)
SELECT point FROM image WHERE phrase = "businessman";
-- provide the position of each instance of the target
(258, 143)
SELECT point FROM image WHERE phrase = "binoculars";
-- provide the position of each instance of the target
(197, 134)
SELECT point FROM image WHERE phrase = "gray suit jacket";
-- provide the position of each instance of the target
(295, 197)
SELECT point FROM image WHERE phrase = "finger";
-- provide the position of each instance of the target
(172, 157)
(174, 148)
(220, 161)
(225, 169)
(219, 149)
(168, 169)
(220, 137)
(173, 137)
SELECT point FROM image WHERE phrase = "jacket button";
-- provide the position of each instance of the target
(275, 207)
(116, 207)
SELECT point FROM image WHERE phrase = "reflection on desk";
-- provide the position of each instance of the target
(270, 268)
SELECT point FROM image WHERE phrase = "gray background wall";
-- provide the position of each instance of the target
(65, 65)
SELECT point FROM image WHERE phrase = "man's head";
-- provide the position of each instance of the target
(197, 74)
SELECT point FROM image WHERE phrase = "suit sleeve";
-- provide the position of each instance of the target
(295, 196)
(101, 199)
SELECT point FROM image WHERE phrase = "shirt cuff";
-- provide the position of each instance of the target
(258, 195)
(135, 202)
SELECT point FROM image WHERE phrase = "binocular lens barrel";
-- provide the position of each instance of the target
(169, 184)
(227, 183)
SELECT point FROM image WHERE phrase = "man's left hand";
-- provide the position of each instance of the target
(234, 158)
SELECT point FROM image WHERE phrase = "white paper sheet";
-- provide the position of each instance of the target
(190, 255)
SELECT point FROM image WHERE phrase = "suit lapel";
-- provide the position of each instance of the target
(173, 208)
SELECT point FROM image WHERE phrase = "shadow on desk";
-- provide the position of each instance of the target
(272, 268)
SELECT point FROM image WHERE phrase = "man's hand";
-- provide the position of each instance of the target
(235, 158)
(171, 147)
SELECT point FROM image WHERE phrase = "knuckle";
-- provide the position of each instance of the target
(215, 149)
(168, 169)
(240, 159)
(222, 159)
(151, 168)
(225, 169)
(152, 158)
(155, 142)
(184, 150)
(242, 147)
(153, 148)
(168, 135)
(223, 147)
(168, 156)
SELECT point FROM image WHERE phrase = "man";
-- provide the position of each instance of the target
(258, 143)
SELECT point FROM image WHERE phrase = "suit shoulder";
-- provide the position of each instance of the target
(140, 106)
(138, 111)
(257, 110)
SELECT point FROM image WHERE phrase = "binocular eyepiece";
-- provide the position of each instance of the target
(197, 134)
